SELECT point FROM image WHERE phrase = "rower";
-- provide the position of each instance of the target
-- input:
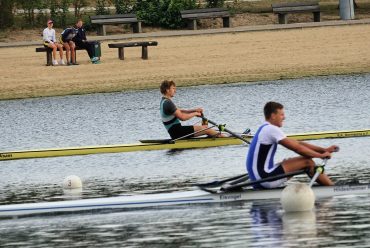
(260, 157)
(171, 116)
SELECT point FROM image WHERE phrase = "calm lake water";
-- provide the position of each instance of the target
(311, 104)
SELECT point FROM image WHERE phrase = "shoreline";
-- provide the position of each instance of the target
(216, 57)
(179, 84)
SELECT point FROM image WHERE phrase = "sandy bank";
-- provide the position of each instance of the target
(193, 60)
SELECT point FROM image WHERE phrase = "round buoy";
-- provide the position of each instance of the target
(297, 197)
(72, 182)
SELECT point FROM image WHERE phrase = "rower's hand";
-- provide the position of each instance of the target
(199, 110)
(333, 148)
(325, 155)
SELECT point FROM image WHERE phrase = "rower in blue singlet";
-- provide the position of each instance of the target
(260, 159)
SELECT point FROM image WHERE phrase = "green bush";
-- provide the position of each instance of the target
(6, 14)
(59, 12)
(215, 3)
(29, 8)
(101, 7)
(164, 13)
(124, 6)
(77, 5)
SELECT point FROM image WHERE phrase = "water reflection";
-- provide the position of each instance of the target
(267, 221)
(300, 227)
(335, 222)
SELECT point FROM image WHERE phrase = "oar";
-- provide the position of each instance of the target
(238, 186)
(217, 183)
(223, 128)
(320, 169)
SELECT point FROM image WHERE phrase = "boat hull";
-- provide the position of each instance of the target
(168, 199)
(149, 145)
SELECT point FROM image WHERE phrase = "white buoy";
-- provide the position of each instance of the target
(297, 197)
(72, 182)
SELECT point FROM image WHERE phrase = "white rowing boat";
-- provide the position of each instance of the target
(167, 199)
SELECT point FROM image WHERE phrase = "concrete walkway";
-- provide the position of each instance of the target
(271, 27)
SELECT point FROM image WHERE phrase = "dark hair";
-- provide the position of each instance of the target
(270, 108)
(165, 85)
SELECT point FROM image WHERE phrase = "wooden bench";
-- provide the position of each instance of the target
(102, 20)
(194, 14)
(144, 48)
(282, 9)
(49, 51)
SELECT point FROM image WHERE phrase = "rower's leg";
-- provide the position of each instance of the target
(299, 163)
(209, 132)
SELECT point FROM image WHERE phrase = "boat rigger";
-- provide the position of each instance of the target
(162, 144)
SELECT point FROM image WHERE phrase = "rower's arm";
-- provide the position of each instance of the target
(184, 116)
(189, 111)
(301, 149)
(313, 147)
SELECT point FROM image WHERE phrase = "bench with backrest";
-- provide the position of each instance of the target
(194, 14)
(282, 9)
(144, 47)
(102, 20)
(49, 51)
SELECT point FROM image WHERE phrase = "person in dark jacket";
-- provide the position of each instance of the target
(66, 38)
(81, 41)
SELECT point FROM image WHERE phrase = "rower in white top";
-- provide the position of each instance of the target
(260, 158)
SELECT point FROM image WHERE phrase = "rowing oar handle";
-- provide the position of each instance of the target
(226, 130)
(336, 149)
(320, 169)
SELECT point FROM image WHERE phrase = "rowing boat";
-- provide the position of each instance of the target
(147, 145)
(167, 199)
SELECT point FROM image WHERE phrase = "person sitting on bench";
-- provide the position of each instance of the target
(81, 41)
(48, 36)
(66, 38)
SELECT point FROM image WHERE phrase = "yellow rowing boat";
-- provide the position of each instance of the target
(148, 145)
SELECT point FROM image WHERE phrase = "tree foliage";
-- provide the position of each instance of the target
(59, 11)
(165, 13)
(6, 14)
(124, 6)
(29, 8)
(101, 7)
(77, 5)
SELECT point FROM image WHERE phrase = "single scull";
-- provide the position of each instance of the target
(167, 199)
(147, 145)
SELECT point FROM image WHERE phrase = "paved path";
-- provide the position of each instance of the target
(270, 27)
